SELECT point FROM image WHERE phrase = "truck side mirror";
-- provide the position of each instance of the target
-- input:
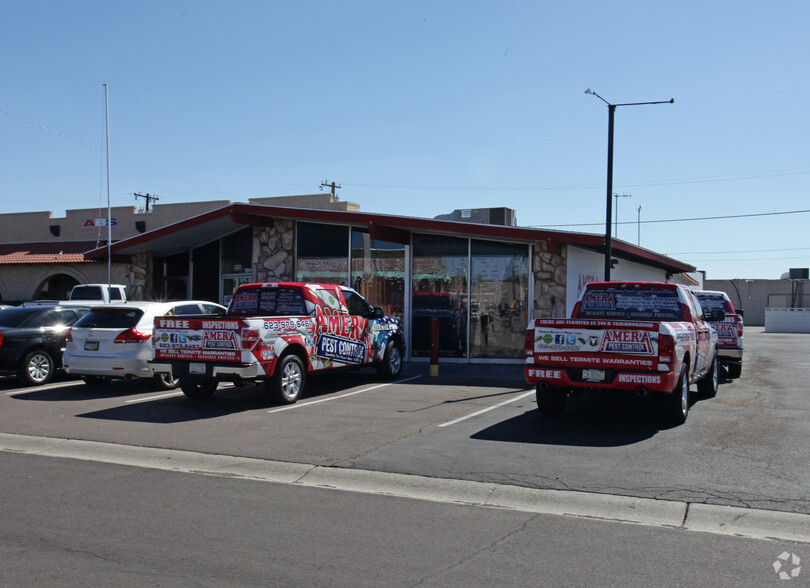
(717, 315)
(377, 313)
(740, 312)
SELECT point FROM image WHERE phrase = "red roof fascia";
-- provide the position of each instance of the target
(101, 252)
(396, 227)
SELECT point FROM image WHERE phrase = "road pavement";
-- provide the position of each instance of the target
(437, 481)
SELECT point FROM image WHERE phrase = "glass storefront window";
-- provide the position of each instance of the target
(498, 299)
(439, 291)
(322, 253)
(237, 250)
(378, 272)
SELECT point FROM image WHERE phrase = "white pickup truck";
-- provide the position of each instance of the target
(98, 293)
(638, 337)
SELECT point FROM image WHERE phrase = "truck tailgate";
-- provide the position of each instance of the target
(591, 347)
(198, 339)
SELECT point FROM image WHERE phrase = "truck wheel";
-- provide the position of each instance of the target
(676, 403)
(287, 383)
(198, 387)
(163, 381)
(37, 368)
(707, 386)
(734, 370)
(391, 364)
(551, 400)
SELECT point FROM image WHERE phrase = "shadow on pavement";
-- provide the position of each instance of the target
(227, 400)
(587, 422)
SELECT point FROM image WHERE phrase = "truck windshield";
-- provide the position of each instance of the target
(268, 301)
(641, 304)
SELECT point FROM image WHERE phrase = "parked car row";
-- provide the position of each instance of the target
(32, 339)
(96, 343)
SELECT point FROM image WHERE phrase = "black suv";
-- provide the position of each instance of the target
(32, 339)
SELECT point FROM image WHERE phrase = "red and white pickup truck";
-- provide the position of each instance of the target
(277, 333)
(638, 337)
(729, 330)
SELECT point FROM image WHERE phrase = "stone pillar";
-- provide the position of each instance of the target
(139, 276)
(550, 271)
(273, 251)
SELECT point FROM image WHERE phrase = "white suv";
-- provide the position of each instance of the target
(115, 340)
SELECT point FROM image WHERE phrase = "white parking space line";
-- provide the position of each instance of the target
(489, 408)
(303, 404)
(167, 395)
(45, 387)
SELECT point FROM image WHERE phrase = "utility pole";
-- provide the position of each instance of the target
(148, 197)
(333, 186)
(639, 226)
(616, 212)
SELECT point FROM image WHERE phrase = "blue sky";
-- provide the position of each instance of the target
(422, 107)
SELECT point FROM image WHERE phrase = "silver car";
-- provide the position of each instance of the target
(115, 340)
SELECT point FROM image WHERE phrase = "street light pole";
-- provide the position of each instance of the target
(609, 199)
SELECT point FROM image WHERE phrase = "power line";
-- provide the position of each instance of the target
(748, 251)
(680, 220)
(668, 182)
(133, 162)
(535, 188)
(745, 259)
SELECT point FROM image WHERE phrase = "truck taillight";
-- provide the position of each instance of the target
(249, 338)
(68, 335)
(131, 335)
(666, 348)
(529, 341)
(739, 328)
(1, 339)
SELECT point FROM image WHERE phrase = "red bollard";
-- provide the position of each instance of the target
(434, 347)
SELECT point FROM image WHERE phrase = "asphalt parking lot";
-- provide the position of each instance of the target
(745, 448)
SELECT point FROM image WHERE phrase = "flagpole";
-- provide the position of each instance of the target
(109, 209)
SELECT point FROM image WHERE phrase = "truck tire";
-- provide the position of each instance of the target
(37, 368)
(287, 384)
(676, 403)
(707, 386)
(198, 387)
(391, 364)
(733, 370)
(163, 381)
(551, 400)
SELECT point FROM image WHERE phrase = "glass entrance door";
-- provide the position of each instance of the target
(229, 284)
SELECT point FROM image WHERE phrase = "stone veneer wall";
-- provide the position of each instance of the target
(550, 271)
(273, 251)
(139, 277)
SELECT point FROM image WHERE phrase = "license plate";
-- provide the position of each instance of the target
(91, 345)
(196, 368)
(598, 375)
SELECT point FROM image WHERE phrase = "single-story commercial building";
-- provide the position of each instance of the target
(482, 281)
